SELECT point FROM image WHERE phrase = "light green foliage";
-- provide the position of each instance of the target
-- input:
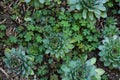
(90, 8)
(57, 45)
(110, 52)
(86, 37)
(81, 33)
(18, 62)
(81, 70)
(28, 36)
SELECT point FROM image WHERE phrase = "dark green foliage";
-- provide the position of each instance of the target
(42, 70)
(110, 21)
(90, 8)
(116, 4)
(110, 27)
(39, 3)
(18, 62)
(57, 45)
(56, 35)
(110, 52)
(81, 70)
(109, 31)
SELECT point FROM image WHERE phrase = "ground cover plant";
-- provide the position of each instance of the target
(59, 40)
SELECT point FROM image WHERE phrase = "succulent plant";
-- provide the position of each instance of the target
(110, 52)
(110, 21)
(38, 3)
(78, 70)
(18, 62)
(57, 45)
(109, 31)
(117, 0)
(90, 8)
(110, 28)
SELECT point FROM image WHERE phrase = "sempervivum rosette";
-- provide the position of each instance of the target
(18, 62)
(90, 8)
(57, 45)
(79, 70)
(110, 52)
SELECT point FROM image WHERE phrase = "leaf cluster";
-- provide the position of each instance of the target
(18, 62)
(89, 8)
(82, 70)
(110, 52)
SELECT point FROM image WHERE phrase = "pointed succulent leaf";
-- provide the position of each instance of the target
(42, 1)
(100, 71)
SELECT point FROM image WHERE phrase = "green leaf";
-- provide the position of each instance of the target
(91, 16)
(13, 39)
(115, 65)
(42, 1)
(28, 19)
(106, 63)
(27, 1)
(8, 55)
(65, 68)
(31, 27)
(64, 23)
(31, 72)
(39, 39)
(91, 61)
(73, 40)
(2, 35)
(2, 27)
(79, 38)
(101, 54)
(118, 11)
(98, 12)
(101, 7)
(104, 14)
(75, 27)
(72, 1)
(101, 47)
(28, 36)
(100, 71)
(104, 1)
(70, 46)
(84, 13)
(77, 16)
(78, 7)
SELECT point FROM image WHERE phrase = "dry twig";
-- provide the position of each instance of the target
(3, 21)
(4, 72)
